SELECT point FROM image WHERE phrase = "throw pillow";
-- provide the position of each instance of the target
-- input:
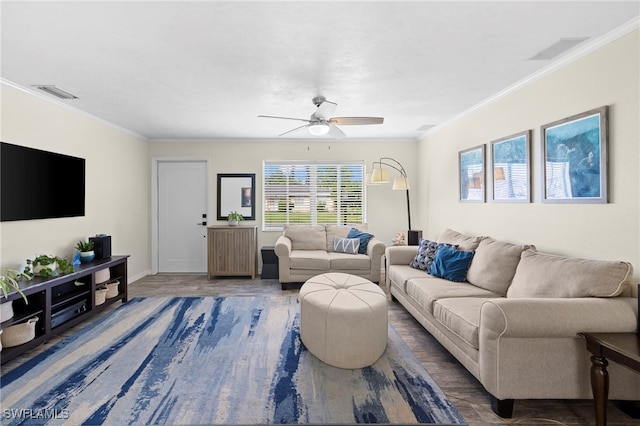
(364, 239)
(426, 253)
(451, 264)
(346, 245)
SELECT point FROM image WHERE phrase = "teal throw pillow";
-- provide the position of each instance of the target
(451, 264)
(364, 239)
(346, 245)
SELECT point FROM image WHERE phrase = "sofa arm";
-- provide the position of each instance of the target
(282, 249)
(530, 348)
(506, 317)
(400, 255)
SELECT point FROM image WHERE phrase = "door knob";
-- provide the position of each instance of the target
(202, 223)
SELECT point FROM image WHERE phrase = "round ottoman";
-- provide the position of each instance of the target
(343, 319)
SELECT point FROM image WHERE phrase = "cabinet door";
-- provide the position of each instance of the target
(241, 252)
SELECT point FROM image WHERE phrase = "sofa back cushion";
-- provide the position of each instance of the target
(340, 231)
(548, 275)
(494, 264)
(463, 242)
(306, 237)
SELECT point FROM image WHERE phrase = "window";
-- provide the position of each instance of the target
(297, 192)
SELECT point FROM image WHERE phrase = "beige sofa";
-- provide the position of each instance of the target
(305, 251)
(514, 322)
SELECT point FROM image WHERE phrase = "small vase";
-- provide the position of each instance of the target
(87, 256)
(233, 223)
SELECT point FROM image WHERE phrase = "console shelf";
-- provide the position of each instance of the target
(63, 301)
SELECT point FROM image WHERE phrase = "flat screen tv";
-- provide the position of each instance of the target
(37, 184)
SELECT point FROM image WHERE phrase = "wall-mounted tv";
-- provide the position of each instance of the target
(37, 184)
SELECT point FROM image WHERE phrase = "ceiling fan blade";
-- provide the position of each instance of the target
(334, 132)
(283, 118)
(293, 130)
(325, 110)
(350, 121)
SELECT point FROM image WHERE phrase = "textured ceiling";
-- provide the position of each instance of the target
(207, 69)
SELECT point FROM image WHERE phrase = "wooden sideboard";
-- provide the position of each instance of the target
(232, 251)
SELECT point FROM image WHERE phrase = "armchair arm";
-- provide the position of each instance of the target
(375, 250)
(282, 249)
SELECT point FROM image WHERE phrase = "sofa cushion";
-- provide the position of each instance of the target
(455, 238)
(548, 275)
(494, 264)
(461, 316)
(363, 236)
(400, 274)
(340, 231)
(451, 264)
(427, 290)
(349, 262)
(306, 237)
(309, 259)
(346, 245)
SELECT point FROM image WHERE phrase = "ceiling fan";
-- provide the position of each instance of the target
(322, 123)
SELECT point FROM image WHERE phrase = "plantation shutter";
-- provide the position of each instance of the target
(312, 193)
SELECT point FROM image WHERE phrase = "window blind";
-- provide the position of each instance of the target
(311, 193)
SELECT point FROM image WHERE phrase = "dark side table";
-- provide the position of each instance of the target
(269, 263)
(622, 348)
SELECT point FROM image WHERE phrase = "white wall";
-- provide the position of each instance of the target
(607, 76)
(117, 183)
(386, 209)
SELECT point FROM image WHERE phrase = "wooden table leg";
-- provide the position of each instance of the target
(600, 388)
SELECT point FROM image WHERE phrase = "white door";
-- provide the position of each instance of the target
(182, 205)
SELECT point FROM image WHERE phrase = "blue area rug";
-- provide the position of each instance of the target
(226, 360)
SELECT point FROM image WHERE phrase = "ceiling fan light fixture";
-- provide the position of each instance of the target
(319, 129)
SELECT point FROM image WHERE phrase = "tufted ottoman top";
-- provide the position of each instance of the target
(340, 291)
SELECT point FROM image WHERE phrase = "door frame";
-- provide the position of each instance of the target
(155, 226)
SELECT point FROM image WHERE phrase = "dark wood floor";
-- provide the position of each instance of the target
(460, 386)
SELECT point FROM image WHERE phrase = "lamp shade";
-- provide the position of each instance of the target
(380, 176)
(369, 180)
(318, 129)
(401, 184)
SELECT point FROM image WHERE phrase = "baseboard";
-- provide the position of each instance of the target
(134, 278)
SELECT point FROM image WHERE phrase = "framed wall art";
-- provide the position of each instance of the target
(574, 153)
(236, 193)
(471, 174)
(511, 169)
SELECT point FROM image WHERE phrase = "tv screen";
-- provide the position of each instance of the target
(36, 184)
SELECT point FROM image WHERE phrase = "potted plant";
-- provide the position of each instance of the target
(234, 218)
(86, 251)
(8, 283)
(46, 266)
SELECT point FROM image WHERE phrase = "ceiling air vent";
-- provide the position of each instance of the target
(55, 91)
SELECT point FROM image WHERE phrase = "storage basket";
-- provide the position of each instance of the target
(112, 289)
(103, 275)
(101, 296)
(6, 311)
(19, 334)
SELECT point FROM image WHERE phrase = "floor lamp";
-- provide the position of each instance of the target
(380, 175)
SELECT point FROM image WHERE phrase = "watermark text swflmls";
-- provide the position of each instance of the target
(30, 413)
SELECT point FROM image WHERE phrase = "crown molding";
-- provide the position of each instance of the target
(577, 53)
(72, 109)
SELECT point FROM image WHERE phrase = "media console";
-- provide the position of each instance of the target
(63, 301)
